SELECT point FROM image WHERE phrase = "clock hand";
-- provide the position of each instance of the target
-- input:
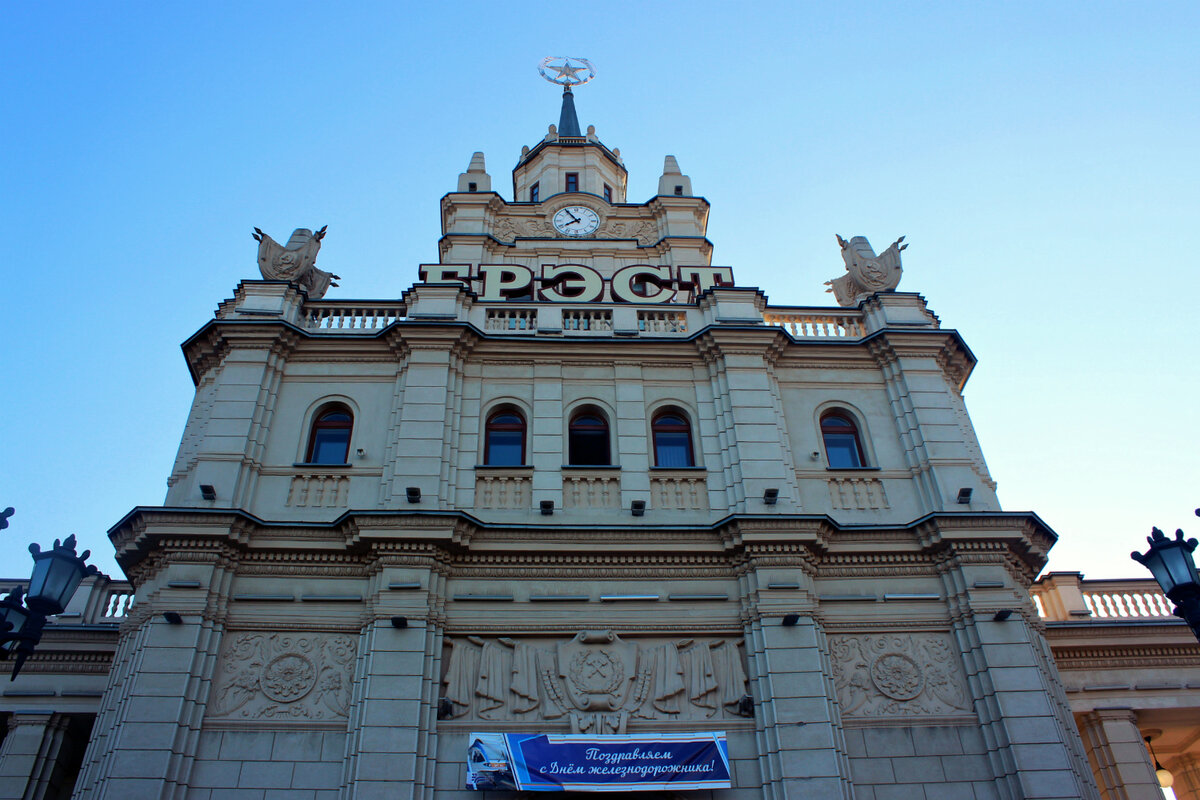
(572, 216)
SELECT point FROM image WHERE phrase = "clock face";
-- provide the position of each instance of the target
(576, 221)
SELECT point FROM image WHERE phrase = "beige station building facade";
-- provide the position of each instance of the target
(578, 480)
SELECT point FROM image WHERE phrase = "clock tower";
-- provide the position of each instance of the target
(569, 205)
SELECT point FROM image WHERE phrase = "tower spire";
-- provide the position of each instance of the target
(568, 122)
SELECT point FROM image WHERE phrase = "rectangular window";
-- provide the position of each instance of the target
(607, 193)
(472, 187)
(533, 192)
(679, 191)
(572, 181)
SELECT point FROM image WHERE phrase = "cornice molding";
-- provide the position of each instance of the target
(148, 538)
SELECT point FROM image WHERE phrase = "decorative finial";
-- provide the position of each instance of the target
(566, 71)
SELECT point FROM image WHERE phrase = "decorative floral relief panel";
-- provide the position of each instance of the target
(283, 676)
(595, 681)
(898, 675)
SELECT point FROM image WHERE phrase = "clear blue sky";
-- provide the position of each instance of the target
(1040, 157)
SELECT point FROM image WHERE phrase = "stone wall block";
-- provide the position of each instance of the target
(266, 775)
(872, 770)
(972, 767)
(936, 740)
(254, 745)
(888, 742)
(317, 775)
(918, 769)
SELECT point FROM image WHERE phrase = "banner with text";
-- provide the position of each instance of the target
(581, 763)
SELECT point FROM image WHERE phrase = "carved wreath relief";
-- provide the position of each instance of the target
(596, 681)
(898, 675)
(284, 676)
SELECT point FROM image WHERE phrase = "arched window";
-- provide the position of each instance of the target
(842, 446)
(504, 445)
(672, 440)
(329, 442)
(587, 440)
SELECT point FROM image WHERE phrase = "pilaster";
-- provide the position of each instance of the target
(1186, 770)
(145, 738)
(1118, 755)
(1017, 694)
(393, 718)
(29, 760)
(921, 372)
(547, 445)
(746, 398)
(802, 750)
(430, 391)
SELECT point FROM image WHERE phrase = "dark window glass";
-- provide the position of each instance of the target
(679, 191)
(329, 442)
(842, 446)
(505, 443)
(472, 187)
(607, 193)
(588, 440)
(572, 181)
(533, 192)
(672, 441)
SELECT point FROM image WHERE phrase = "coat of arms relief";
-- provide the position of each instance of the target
(302, 677)
(898, 675)
(595, 681)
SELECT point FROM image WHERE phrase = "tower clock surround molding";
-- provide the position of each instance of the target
(591, 217)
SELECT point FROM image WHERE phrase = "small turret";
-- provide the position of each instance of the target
(475, 179)
(673, 181)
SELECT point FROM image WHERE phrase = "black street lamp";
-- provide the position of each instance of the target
(1170, 562)
(57, 573)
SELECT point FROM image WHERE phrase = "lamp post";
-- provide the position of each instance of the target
(1170, 562)
(57, 573)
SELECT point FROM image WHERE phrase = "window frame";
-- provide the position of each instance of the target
(608, 194)
(534, 192)
(684, 426)
(491, 425)
(602, 427)
(569, 178)
(321, 424)
(849, 427)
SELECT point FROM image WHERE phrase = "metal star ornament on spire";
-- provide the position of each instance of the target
(566, 70)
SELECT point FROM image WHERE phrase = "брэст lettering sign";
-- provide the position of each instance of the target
(575, 283)
(557, 763)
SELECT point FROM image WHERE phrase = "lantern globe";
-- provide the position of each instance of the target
(56, 575)
(1170, 562)
(13, 617)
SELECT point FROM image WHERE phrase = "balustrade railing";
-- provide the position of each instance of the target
(511, 320)
(1112, 605)
(351, 317)
(118, 603)
(591, 491)
(587, 320)
(818, 323)
(1062, 596)
(662, 322)
(503, 490)
(689, 492)
(318, 491)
